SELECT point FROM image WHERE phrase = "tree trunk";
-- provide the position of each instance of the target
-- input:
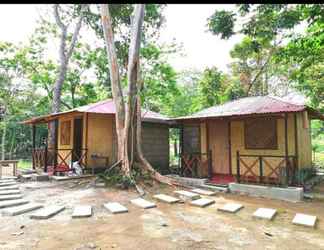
(3, 141)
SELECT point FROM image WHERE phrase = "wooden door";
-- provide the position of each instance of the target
(219, 144)
(77, 139)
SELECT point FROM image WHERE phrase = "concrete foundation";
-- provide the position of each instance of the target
(293, 194)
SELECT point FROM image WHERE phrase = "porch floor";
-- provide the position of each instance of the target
(221, 179)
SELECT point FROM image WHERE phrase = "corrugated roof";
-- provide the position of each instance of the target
(102, 107)
(248, 106)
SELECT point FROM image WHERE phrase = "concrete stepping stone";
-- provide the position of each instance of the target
(7, 177)
(47, 212)
(202, 202)
(265, 213)
(304, 220)
(10, 197)
(166, 198)
(9, 188)
(5, 184)
(21, 209)
(12, 203)
(115, 207)
(9, 192)
(7, 180)
(230, 208)
(203, 192)
(143, 203)
(186, 195)
(82, 211)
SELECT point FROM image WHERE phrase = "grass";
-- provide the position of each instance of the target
(24, 164)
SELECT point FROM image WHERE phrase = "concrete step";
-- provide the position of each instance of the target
(10, 197)
(186, 195)
(265, 213)
(203, 192)
(166, 198)
(10, 192)
(304, 220)
(82, 211)
(21, 209)
(7, 177)
(12, 203)
(115, 207)
(231, 208)
(47, 212)
(6, 184)
(15, 187)
(202, 202)
(215, 188)
(143, 203)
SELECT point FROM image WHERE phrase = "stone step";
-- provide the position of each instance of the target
(166, 198)
(12, 203)
(10, 197)
(215, 188)
(9, 188)
(21, 209)
(10, 192)
(186, 195)
(143, 203)
(40, 177)
(202, 202)
(6, 184)
(82, 211)
(7, 177)
(7, 180)
(265, 213)
(115, 207)
(304, 220)
(47, 212)
(203, 192)
(230, 208)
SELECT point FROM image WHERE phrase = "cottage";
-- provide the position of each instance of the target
(258, 139)
(87, 134)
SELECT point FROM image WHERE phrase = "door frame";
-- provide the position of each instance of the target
(77, 151)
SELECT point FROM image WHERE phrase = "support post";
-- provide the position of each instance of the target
(55, 151)
(45, 158)
(34, 144)
(286, 147)
(261, 168)
(210, 168)
(238, 174)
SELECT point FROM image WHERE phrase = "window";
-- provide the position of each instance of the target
(65, 133)
(260, 133)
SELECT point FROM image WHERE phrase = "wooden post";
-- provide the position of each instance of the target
(296, 141)
(55, 151)
(181, 149)
(210, 168)
(34, 144)
(261, 168)
(238, 174)
(286, 147)
(45, 158)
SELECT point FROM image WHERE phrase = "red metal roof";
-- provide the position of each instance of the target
(102, 107)
(248, 106)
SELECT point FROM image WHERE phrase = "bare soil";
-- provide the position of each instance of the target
(176, 226)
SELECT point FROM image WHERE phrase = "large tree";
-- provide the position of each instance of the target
(128, 109)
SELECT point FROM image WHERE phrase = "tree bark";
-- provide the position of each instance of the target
(3, 141)
(64, 57)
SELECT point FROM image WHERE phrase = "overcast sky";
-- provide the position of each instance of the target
(185, 23)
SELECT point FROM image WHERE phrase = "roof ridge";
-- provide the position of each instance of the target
(277, 98)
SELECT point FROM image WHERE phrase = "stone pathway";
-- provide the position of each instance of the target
(12, 203)
(21, 209)
(203, 192)
(186, 195)
(202, 202)
(47, 212)
(231, 208)
(265, 213)
(82, 211)
(166, 198)
(10, 197)
(304, 220)
(143, 203)
(115, 207)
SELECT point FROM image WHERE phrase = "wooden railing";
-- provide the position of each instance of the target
(191, 162)
(265, 169)
(60, 160)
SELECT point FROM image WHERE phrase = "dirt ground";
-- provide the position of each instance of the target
(177, 226)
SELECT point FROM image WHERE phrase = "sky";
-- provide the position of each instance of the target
(185, 23)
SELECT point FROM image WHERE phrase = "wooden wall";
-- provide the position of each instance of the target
(304, 140)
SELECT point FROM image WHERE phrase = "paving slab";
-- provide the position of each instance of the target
(82, 211)
(166, 198)
(40, 177)
(304, 220)
(8, 177)
(66, 178)
(5, 184)
(115, 207)
(202, 202)
(140, 202)
(15, 187)
(231, 207)
(47, 212)
(10, 197)
(186, 195)
(265, 213)
(12, 203)
(203, 192)
(12, 211)
(9, 192)
(7, 180)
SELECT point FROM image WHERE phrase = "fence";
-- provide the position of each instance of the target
(192, 162)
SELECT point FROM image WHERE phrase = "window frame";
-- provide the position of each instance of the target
(275, 145)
